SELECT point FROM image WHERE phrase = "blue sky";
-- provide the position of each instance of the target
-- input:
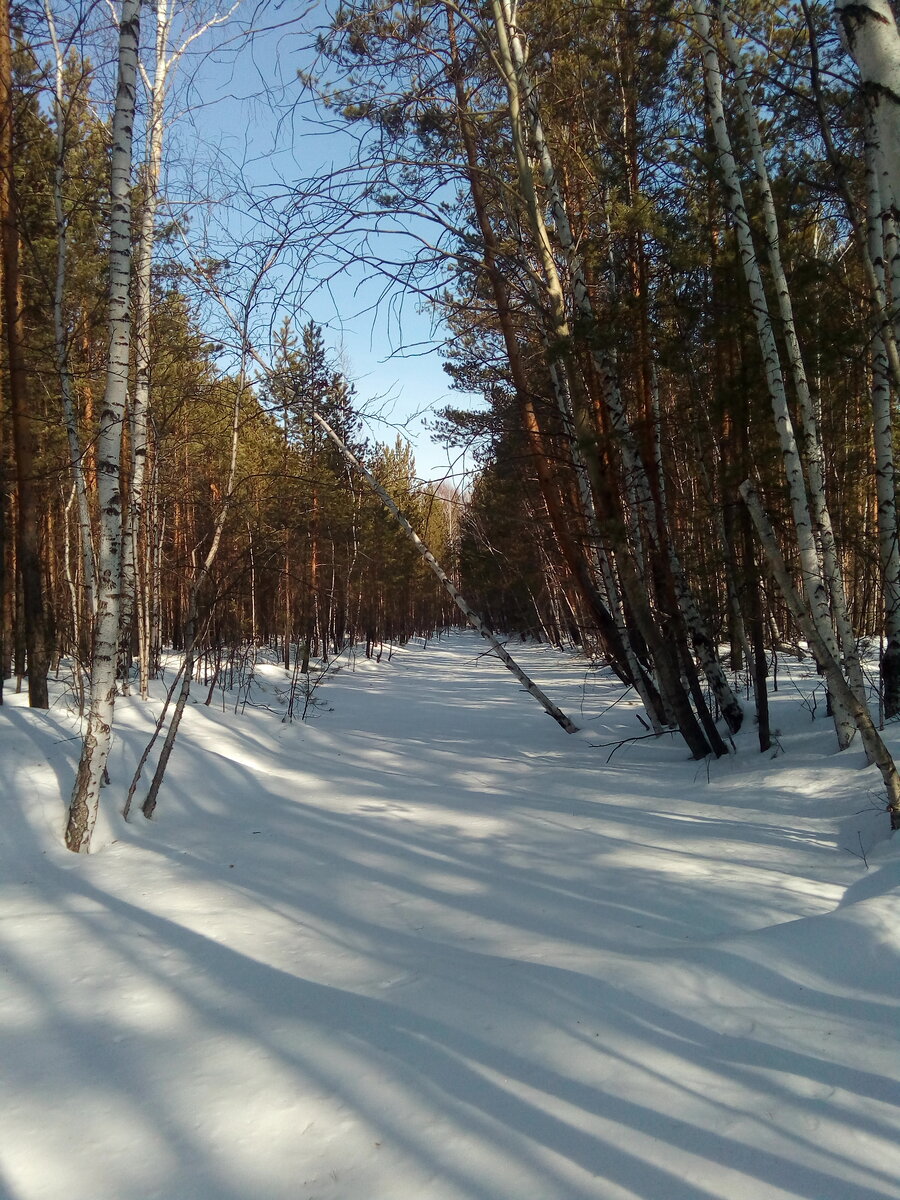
(239, 110)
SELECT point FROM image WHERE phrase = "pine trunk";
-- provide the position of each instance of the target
(28, 533)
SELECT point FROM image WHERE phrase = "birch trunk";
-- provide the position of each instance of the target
(813, 583)
(599, 554)
(875, 749)
(871, 35)
(810, 425)
(881, 320)
(95, 750)
(609, 628)
(885, 469)
(166, 58)
(637, 482)
(143, 268)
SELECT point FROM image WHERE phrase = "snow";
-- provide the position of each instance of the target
(425, 946)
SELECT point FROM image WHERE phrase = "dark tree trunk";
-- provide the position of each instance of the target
(28, 540)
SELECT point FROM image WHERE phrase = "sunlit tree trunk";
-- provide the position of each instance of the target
(524, 113)
(813, 582)
(870, 31)
(156, 86)
(810, 426)
(885, 469)
(876, 751)
(582, 576)
(97, 740)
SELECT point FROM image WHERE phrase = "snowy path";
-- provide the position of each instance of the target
(426, 947)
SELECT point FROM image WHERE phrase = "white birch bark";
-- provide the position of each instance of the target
(876, 751)
(600, 561)
(98, 737)
(870, 33)
(810, 426)
(601, 566)
(885, 468)
(813, 583)
(673, 694)
(519, 84)
(166, 59)
(881, 321)
(155, 89)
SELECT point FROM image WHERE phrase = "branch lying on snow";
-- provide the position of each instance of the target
(638, 737)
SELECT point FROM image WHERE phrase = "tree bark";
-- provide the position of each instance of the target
(870, 33)
(85, 613)
(814, 585)
(885, 465)
(810, 425)
(95, 751)
(28, 527)
(523, 108)
(873, 744)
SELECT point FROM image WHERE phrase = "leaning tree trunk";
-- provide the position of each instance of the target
(613, 634)
(876, 751)
(95, 751)
(523, 104)
(190, 628)
(814, 585)
(810, 425)
(449, 587)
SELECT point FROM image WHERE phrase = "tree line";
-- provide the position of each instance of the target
(156, 492)
(663, 239)
(669, 239)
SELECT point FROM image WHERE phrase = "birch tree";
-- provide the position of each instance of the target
(870, 32)
(525, 113)
(885, 466)
(813, 448)
(804, 525)
(157, 85)
(98, 736)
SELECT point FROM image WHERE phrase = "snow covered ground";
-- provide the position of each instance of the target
(425, 946)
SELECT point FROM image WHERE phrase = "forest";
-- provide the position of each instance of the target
(661, 242)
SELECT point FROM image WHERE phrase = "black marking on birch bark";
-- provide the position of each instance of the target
(860, 13)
